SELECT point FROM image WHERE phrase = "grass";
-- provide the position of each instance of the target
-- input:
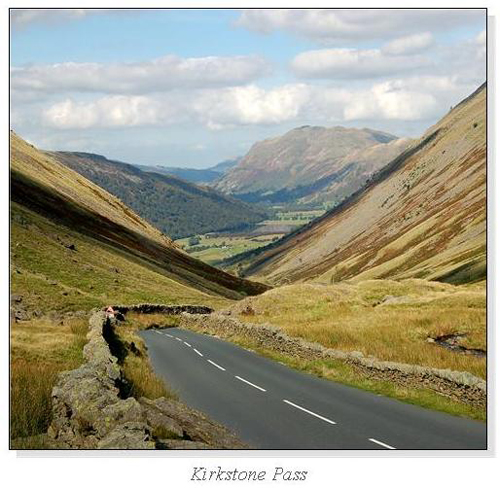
(51, 277)
(222, 247)
(134, 360)
(40, 349)
(346, 374)
(353, 317)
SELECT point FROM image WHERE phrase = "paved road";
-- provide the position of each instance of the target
(271, 406)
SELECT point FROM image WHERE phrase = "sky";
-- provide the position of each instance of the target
(191, 88)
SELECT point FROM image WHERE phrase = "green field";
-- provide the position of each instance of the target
(212, 248)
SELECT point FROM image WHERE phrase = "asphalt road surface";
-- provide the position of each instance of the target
(271, 406)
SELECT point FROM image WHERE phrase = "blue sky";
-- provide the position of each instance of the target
(194, 87)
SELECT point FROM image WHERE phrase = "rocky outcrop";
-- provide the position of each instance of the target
(90, 411)
(461, 386)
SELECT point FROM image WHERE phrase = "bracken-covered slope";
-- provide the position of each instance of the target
(422, 216)
(178, 208)
(304, 162)
(64, 228)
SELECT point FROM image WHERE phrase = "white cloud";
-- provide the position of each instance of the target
(218, 109)
(390, 102)
(114, 111)
(409, 44)
(250, 105)
(353, 63)
(160, 74)
(21, 18)
(335, 25)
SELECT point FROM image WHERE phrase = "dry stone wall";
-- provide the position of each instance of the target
(159, 308)
(90, 412)
(461, 386)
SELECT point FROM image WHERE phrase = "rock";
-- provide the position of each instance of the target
(16, 298)
(197, 426)
(122, 411)
(180, 444)
(71, 247)
(130, 435)
(158, 421)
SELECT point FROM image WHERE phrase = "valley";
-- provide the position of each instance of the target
(215, 248)
(374, 269)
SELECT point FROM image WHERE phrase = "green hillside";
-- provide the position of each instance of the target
(74, 246)
(176, 207)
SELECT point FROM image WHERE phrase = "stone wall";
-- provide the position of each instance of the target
(461, 386)
(90, 411)
(159, 308)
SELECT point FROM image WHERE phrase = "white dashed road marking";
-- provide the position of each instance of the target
(309, 412)
(197, 352)
(382, 444)
(187, 344)
(216, 365)
(178, 339)
(248, 383)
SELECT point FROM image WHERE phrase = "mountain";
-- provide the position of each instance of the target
(224, 166)
(176, 207)
(74, 246)
(304, 162)
(422, 216)
(198, 176)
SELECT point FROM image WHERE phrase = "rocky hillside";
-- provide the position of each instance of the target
(74, 246)
(422, 216)
(305, 162)
(176, 207)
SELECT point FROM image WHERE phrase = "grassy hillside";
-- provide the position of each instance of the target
(176, 207)
(421, 216)
(309, 164)
(73, 247)
(368, 316)
(67, 230)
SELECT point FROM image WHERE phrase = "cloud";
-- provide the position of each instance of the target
(114, 111)
(21, 18)
(341, 63)
(335, 25)
(160, 74)
(409, 44)
(218, 109)
(390, 102)
(250, 105)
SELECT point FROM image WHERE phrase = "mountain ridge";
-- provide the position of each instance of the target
(395, 226)
(48, 189)
(299, 164)
(177, 207)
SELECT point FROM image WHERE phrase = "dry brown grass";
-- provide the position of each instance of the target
(351, 317)
(135, 362)
(40, 349)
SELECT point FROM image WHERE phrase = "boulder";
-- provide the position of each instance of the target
(130, 435)
(158, 421)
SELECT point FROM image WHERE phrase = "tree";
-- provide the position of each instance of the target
(194, 241)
